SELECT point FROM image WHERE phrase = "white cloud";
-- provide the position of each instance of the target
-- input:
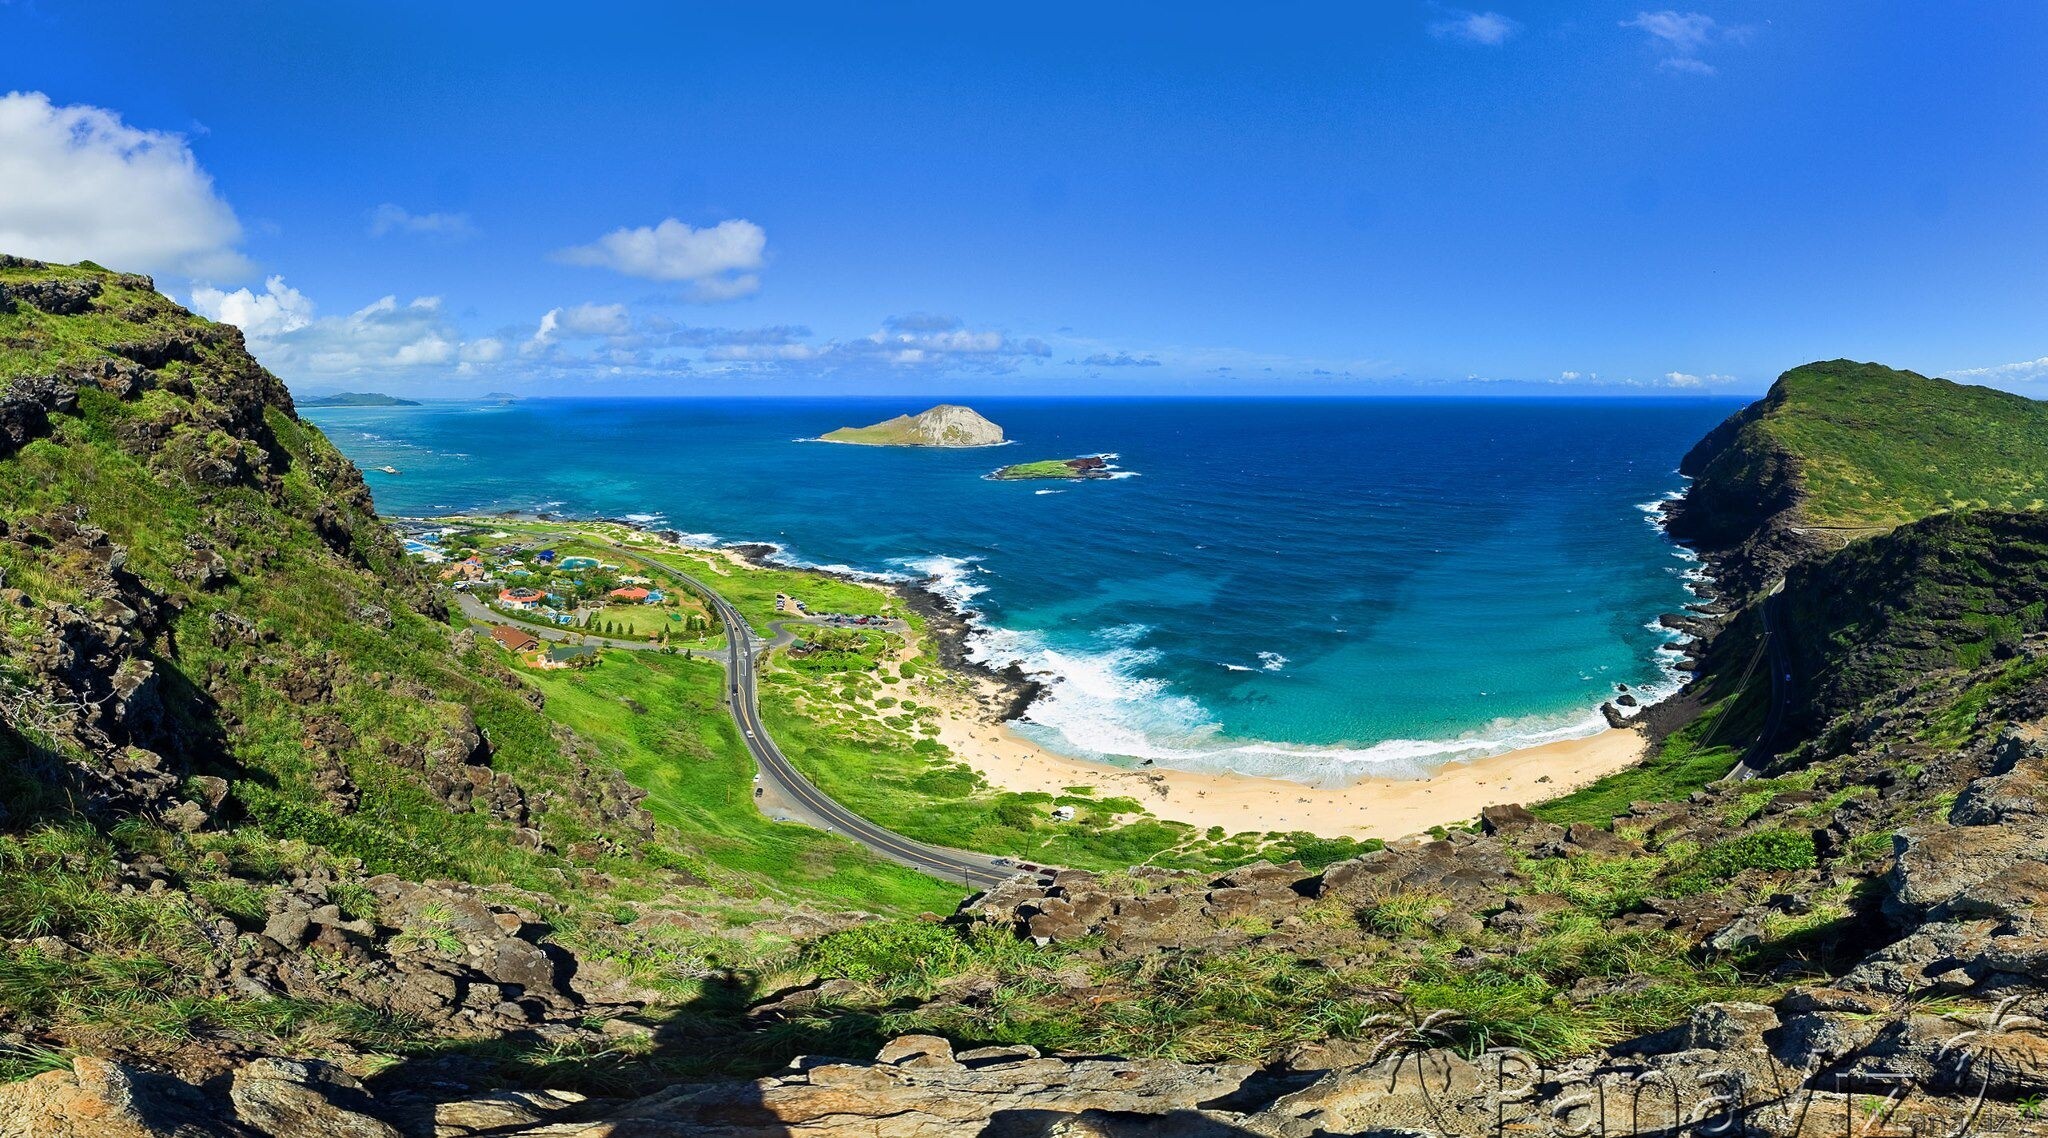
(763, 352)
(1568, 375)
(277, 310)
(384, 336)
(719, 262)
(1684, 379)
(1681, 31)
(916, 342)
(1683, 36)
(579, 322)
(2023, 371)
(77, 183)
(1688, 65)
(1488, 28)
(387, 219)
(1116, 359)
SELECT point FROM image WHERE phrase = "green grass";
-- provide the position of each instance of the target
(659, 719)
(919, 790)
(1878, 447)
(1701, 752)
(1043, 468)
(1957, 723)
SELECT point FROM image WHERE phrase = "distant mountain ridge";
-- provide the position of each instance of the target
(358, 399)
(946, 425)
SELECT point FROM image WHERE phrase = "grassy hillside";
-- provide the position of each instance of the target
(224, 693)
(1874, 447)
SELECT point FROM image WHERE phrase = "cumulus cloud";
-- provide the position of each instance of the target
(2021, 372)
(383, 336)
(387, 219)
(77, 183)
(580, 322)
(1682, 36)
(278, 309)
(1116, 359)
(718, 262)
(1490, 29)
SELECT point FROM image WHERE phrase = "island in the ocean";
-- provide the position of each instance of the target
(947, 425)
(1087, 466)
(358, 399)
(500, 397)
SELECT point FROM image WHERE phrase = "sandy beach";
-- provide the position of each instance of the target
(1380, 808)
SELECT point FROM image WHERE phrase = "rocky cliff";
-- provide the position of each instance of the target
(1839, 450)
(946, 425)
(256, 795)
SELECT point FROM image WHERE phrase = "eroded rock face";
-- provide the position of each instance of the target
(1969, 891)
(1721, 1071)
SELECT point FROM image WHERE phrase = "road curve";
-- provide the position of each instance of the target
(814, 806)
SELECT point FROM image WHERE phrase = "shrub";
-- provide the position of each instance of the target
(888, 951)
(1774, 850)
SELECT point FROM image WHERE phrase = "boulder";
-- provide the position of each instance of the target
(305, 1100)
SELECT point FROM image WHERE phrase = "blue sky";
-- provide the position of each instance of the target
(952, 199)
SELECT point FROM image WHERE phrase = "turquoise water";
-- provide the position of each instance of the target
(1314, 589)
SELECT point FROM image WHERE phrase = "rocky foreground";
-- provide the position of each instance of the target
(1936, 994)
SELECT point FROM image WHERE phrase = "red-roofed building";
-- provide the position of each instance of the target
(521, 598)
(514, 639)
(633, 593)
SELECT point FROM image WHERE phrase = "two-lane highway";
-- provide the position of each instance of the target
(777, 772)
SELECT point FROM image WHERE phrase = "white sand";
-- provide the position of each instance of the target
(1381, 808)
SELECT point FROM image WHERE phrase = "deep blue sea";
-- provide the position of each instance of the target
(1319, 590)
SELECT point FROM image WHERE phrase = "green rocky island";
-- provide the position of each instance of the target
(289, 845)
(1071, 469)
(946, 425)
(358, 399)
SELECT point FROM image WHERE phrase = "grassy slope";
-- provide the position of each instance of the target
(659, 719)
(1878, 447)
(321, 691)
(899, 431)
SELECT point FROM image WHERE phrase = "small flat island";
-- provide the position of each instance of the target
(947, 425)
(1087, 466)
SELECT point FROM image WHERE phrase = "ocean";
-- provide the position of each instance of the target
(1319, 590)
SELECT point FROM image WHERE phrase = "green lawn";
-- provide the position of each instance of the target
(752, 590)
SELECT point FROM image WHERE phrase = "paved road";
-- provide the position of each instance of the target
(781, 776)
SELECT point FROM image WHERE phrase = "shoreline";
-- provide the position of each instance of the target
(977, 725)
(1369, 808)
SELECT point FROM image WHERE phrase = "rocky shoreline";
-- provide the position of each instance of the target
(951, 629)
